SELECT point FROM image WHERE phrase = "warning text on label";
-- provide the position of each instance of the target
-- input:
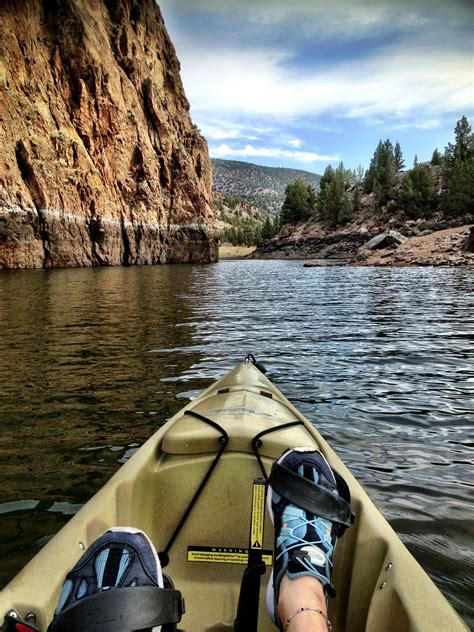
(258, 517)
(224, 555)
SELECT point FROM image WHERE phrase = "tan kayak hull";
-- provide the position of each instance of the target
(380, 586)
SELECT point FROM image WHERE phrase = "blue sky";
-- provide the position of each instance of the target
(305, 83)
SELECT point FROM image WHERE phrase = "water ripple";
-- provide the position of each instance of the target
(381, 360)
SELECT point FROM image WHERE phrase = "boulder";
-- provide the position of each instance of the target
(469, 244)
(385, 240)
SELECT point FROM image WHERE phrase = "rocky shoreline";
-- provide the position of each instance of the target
(434, 243)
(449, 247)
(339, 245)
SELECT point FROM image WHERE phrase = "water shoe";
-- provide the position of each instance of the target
(118, 586)
(305, 541)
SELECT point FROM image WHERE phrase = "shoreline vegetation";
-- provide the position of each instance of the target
(387, 215)
(227, 251)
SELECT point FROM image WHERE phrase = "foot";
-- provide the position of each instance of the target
(94, 592)
(304, 542)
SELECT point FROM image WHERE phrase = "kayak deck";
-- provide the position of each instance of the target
(380, 586)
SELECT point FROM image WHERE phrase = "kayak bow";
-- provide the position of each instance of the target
(190, 487)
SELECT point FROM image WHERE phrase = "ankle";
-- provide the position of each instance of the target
(303, 592)
(310, 620)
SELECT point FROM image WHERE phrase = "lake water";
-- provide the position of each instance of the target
(382, 360)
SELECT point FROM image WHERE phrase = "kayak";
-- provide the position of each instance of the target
(197, 488)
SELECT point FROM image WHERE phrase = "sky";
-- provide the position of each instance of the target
(307, 83)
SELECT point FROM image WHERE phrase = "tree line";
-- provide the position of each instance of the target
(249, 231)
(341, 191)
(414, 192)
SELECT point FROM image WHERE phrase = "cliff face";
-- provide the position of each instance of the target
(100, 163)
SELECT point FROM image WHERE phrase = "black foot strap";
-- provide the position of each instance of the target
(312, 497)
(121, 610)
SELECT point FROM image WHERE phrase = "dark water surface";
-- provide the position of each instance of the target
(382, 360)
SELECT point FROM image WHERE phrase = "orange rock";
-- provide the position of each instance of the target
(100, 163)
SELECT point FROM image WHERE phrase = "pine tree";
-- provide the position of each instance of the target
(276, 225)
(327, 177)
(436, 158)
(333, 203)
(389, 147)
(345, 211)
(458, 197)
(371, 173)
(418, 197)
(311, 200)
(398, 157)
(463, 148)
(407, 197)
(257, 236)
(385, 176)
(299, 203)
(380, 176)
(267, 229)
(415, 161)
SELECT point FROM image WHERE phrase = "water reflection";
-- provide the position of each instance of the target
(79, 388)
(92, 361)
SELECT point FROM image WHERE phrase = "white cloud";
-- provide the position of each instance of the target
(219, 133)
(255, 80)
(249, 151)
(295, 142)
(324, 21)
(232, 130)
(414, 124)
(419, 77)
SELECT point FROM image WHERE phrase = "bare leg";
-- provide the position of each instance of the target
(303, 592)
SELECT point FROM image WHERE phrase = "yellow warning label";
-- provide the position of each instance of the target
(258, 516)
(224, 555)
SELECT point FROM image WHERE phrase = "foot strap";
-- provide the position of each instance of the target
(314, 498)
(121, 610)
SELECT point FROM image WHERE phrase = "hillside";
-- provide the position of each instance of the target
(263, 187)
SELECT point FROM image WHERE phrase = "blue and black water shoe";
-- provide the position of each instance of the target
(118, 586)
(310, 507)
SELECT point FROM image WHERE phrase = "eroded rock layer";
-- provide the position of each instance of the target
(100, 162)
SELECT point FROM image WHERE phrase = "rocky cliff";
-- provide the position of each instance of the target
(100, 163)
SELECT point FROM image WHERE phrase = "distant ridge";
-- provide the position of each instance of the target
(262, 186)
